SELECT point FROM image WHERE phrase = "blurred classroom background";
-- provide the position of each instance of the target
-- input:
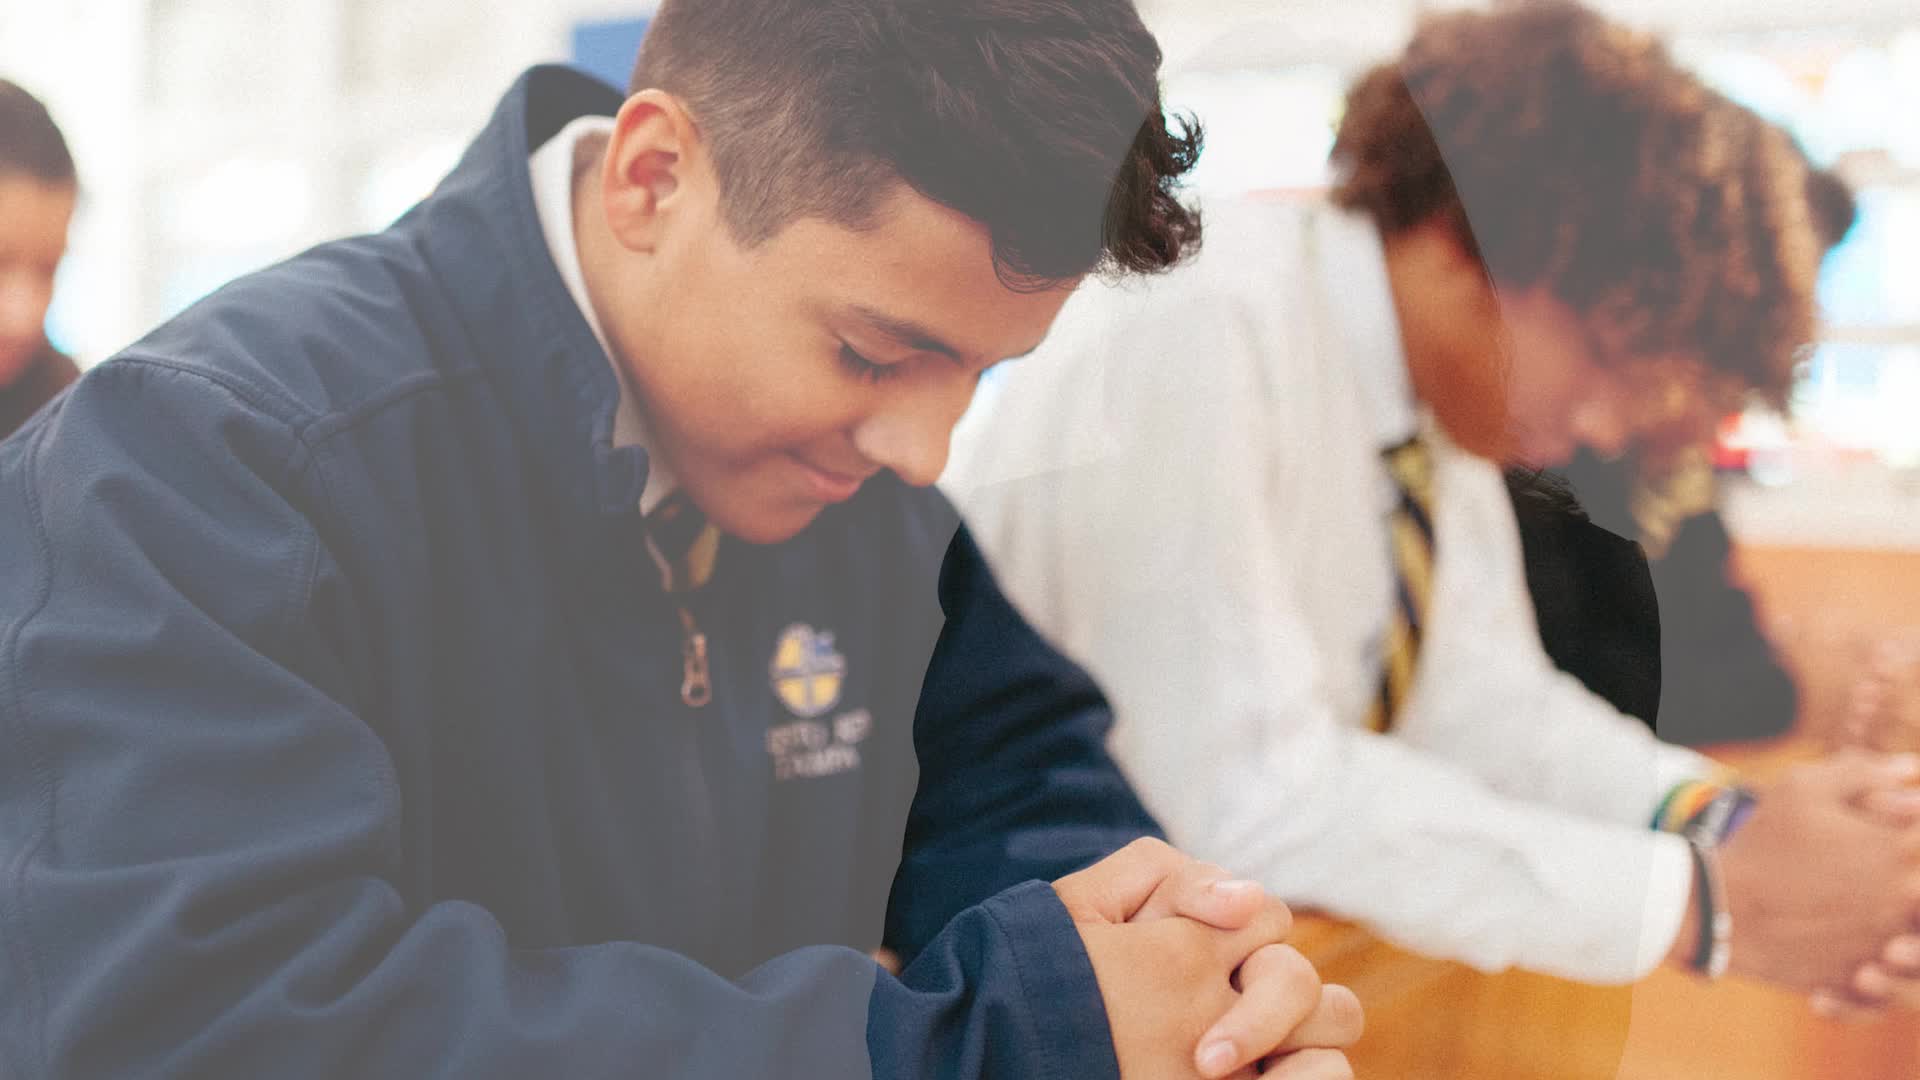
(215, 136)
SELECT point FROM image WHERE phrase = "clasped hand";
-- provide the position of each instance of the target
(1196, 974)
(1823, 884)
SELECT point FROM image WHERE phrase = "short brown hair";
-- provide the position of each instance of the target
(1041, 119)
(30, 142)
(1565, 150)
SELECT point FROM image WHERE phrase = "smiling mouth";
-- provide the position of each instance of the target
(827, 485)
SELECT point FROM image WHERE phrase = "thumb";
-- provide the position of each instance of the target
(1856, 775)
(1115, 888)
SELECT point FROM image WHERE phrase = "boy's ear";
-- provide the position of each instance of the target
(654, 168)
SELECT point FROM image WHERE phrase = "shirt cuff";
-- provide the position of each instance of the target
(1067, 1015)
(1616, 903)
(1669, 891)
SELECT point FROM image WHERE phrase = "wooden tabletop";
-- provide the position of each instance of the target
(1430, 1019)
(1433, 1019)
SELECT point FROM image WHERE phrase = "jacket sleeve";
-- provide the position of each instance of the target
(1015, 779)
(201, 840)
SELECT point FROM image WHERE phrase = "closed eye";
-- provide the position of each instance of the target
(868, 370)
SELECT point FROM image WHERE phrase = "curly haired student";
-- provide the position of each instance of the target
(1261, 499)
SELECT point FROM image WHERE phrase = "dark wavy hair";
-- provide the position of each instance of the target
(30, 142)
(1040, 119)
(1568, 151)
(1835, 209)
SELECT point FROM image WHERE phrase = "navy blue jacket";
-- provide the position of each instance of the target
(341, 733)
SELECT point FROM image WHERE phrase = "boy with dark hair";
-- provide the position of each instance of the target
(38, 188)
(513, 644)
(1260, 497)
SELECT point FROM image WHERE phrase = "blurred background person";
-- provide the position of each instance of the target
(1260, 500)
(38, 189)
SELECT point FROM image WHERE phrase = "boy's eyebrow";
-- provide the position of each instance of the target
(908, 333)
(915, 336)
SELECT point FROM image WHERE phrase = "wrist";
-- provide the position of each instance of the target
(1713, 930)
(1710, 810)
(1686, 940)
(1705, 814)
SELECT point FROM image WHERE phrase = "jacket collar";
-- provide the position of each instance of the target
(480, 233)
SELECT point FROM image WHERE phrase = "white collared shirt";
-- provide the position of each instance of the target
(552, 170)
(1184, 488)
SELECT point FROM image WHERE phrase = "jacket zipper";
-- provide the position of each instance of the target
(696, 681)
(696, 678)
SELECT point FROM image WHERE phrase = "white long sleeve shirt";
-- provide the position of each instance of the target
(1185, 489)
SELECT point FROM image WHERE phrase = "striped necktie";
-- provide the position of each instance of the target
(1411, 524)
(685, 543)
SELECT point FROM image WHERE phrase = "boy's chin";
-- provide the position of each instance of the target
(770, 525)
